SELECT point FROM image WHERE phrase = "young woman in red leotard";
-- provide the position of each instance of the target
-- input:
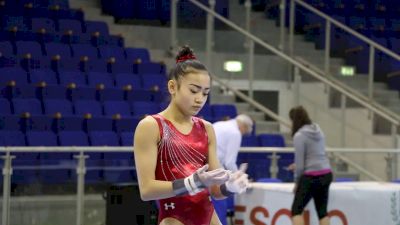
(175, 152)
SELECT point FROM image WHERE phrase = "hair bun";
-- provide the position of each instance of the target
(185, 53)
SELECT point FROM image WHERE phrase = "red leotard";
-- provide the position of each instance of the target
(179, 156)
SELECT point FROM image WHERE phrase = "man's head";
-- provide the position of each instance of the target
(245, 124)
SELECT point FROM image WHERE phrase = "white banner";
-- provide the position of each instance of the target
(350, 203)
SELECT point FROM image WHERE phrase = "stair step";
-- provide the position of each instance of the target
(222, 99)
(267, 127)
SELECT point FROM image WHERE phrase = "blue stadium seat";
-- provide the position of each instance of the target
(103, 138)
(43, 75)
(69, 123)
(60, 49)
(6, 48)
(17, 138)
(5, 107)
(81, 50)
(271, 140)
(12, 138)
(47, 138)
(125, 125)
(121, 66)
(134, 54)
(149, 68)
(100, 78)
(82, 93)
(83, 107)
(141, 109)
(97, 26)
(41, 138)
(18, 21)
(68, 65)
(107, 52)
(73, 138)
(70, 25)
(43, 23)
(12, 123)
(117, 107)
(29, 105)
(97, 65)
(39, 123)
(223, 111)
(139, 95)
(110, 94)
(53, 92)
(126, 138)
(98, 124)
(62, 106)
(69, 77)
(16, 75)
(29, 47)
(20, 91)
(124, 79)
(151, 81)
(249, 141)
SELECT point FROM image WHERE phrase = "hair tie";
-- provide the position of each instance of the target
(185, 57)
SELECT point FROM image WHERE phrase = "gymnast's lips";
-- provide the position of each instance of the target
(197, 108)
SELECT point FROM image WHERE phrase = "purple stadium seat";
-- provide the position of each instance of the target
(117, 107)
(271, 140)
(62, 106)
(223, 111)
(30, 105)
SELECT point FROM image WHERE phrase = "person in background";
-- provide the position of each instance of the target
(228, 135)
(312, 171)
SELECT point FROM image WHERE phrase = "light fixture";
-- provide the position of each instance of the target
(233, 66)
(347, 71)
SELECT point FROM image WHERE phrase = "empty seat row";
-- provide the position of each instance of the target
(66, 51)
(65, 138)
(67, 123)
(18, 77)
(79, 107)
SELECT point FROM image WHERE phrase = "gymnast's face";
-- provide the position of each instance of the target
(190, 92)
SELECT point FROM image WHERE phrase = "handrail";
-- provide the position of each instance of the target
(375, 109)
(358, 167)
(348, 29)
(83, 149)
(347, 87)
(79, 149)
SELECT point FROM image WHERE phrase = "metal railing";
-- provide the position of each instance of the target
(394, 120)
(81, 167)
(329, 21)
(346, 93)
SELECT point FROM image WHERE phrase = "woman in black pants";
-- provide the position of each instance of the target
(313, 174)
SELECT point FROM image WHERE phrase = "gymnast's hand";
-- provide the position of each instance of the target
(238, 181)
(214, 177)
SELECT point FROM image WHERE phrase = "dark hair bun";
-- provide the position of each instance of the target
(185, 53)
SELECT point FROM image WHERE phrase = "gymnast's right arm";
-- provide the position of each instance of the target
(146, 138)
(145, 152)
